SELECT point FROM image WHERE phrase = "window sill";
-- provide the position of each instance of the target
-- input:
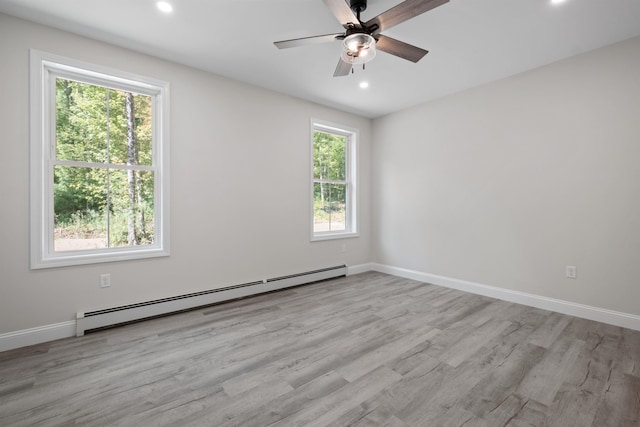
(333, 236)
(95, 257)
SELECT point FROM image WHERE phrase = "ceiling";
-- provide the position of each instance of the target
(471, 42)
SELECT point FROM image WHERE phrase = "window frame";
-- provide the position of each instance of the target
(44, 69)
(351, 171)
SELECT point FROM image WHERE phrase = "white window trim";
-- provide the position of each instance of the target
(43, 67)
(351, 220)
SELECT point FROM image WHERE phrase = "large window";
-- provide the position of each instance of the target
(99, 164)
(333, 181)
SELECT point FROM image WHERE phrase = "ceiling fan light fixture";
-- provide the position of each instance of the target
(359, 44)
(359, 48)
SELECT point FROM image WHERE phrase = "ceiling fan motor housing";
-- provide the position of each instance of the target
(358, 5)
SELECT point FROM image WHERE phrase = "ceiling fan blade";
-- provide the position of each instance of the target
(342, 69)
(400, 49)
(343, 13)
(402, 12)
(305, 41)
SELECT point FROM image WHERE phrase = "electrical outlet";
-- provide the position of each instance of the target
(105, 280)
(343, 247)
(572, 272)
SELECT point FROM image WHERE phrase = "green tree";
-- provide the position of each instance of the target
(98, 128)
(329, 170)
(329, 160)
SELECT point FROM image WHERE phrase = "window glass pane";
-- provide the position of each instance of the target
(99, 208)
(97, 124)
(80, 208)
(329, 156)
(131, 220)
(329, 207)
(144, 128)
(130, 128)
(81, 122)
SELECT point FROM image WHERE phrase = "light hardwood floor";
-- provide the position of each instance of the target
(365, 350)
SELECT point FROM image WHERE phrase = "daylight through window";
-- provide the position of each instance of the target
(101, 155)
(333, 181)
(102, 175)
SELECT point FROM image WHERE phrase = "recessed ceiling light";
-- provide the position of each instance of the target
(364, 85)
(164, 6)
(557, 1)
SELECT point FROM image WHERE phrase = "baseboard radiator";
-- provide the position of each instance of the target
(98, 319)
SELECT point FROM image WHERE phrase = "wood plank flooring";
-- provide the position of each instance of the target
(365, 350)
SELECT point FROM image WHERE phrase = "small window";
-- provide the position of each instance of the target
(333, 181)
(99, 159)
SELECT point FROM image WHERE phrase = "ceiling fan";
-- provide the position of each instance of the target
(361, 39)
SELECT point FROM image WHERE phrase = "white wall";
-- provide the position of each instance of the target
(239, 187)
(501, 185)
(506, 184)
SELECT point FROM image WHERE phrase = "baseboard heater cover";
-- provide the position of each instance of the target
(86, 321)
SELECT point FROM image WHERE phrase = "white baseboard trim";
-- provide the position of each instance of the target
(360, 268)
(40, 334)
(603, 315)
